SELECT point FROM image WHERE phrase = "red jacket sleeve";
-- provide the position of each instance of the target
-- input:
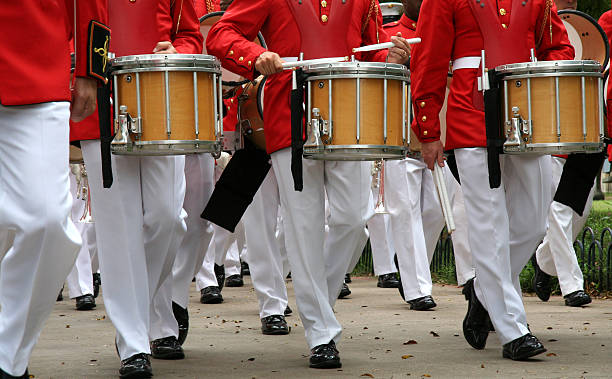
(179, 24)
(230, 39)
(374, 33)
(86, 11)
(555, 44)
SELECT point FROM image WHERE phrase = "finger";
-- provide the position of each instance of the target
(440, 159)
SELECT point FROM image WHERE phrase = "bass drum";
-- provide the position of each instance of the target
(586, 35)
(250, 112)
(230, 79)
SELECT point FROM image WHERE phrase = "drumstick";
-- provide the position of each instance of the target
(384, 45)
(444, 201)
(308, 62)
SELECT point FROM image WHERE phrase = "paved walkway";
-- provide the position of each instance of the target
(382, 339)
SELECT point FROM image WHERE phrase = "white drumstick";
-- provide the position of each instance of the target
(291, 65)
(384, 45)
(443, 195)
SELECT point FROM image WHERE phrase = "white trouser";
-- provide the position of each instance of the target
(38, 241)
(280, 237)
(80, 278)
(92, 246)
(235, 251)
(556, 255)
(139, 227)
(199, 179)
(433, 222)
(505, 226)
(205, 277)
(318, 267)
(265, 254)
(381, 241)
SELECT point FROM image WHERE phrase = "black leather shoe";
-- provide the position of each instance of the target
(274, 325)
(85, 303)
(577, 299)
(167, 348)
(244, 269)
(422, 303)
(220, 274)
(4, 375)
(388, 281)
(211, 295)
(344, 292)
(347, 278)
(541, 281)
(476, 322)
(136, 366)
(325, 356)
(60, 296)
(288, 311)
(523, 347)
(234, 281)
(97, 282)
(182, 319)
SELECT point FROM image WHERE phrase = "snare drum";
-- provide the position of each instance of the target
(357, 111)
(167, 104)
(553, 107)
(250, 112)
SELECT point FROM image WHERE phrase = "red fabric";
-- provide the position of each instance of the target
(404, 25)
(203, 7)
(606, 24)
(449, 31)
(230, 40)
(173, 20)
(35, 57)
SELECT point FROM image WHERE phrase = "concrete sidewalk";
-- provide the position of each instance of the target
(382, 338)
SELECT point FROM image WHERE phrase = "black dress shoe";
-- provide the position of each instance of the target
(220, 274)
(325, 356)
(523, 347)
(244, 269)
(288, 311)
(347, 278)
(167, 348)
(344, 292)
(234, 281)
(182, 319)
(541, 281)
(97, 282)
(388, 281)
(5, 375)
(476, 322)
(211, 295)
(136, 366)
(85, 303)
(422, 303)
(577, 299)
(60, 296)
(274, 325)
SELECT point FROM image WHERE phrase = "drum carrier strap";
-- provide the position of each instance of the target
(502, 45)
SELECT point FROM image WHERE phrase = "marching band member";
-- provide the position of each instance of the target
(38, 241)
(495, 196)
(139, 220)
(318, 266)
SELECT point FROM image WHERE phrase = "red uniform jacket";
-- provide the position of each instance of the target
(404, 25)
(172, 20)
(203, 7)
(606, 23)
(35, 57)
(231, 41)
(449, 31)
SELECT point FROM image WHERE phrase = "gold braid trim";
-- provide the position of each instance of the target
(547, 18)
(370, 9)
(178, 22)
(209, 6)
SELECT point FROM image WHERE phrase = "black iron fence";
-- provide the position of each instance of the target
(593, 249)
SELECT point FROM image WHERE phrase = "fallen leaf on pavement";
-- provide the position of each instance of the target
(434, 334)
(410, 342)
(407, 356)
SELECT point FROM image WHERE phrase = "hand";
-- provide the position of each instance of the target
(400, 53)
(84, 97)
(269, 63)
(433, 153)
(164, 47)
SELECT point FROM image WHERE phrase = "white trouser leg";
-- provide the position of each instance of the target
(199, 180)
(403, 182)
(232, 255)
(350, 205)
(303, 221)
(280, 238)
(40, 241)
(266, 262)
(93, 247)
(556, 255)
(80, 279)
(139, 225)
(205, 277)
(382, 244)
(461, 243)
(490, 241)
(431, 212)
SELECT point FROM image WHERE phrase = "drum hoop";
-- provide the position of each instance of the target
(553, 75)
(166, 61)
(214, 70)
(603, 34)
(323, 76)
(260, 106)
(548, 66)
(359, 67)
(260, 37)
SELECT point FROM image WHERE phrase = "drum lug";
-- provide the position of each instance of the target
(316, 126)
(122, 127)
(514, 131)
